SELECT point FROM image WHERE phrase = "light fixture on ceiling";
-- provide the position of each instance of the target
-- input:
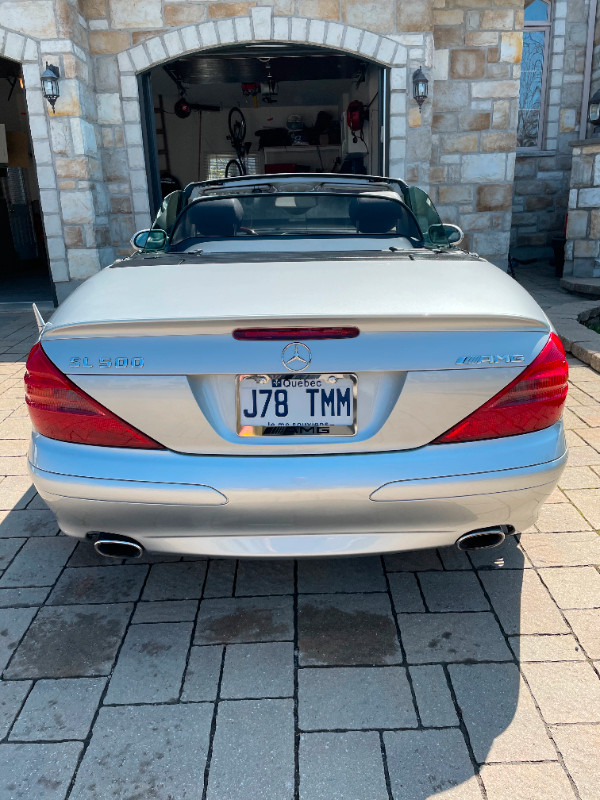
(270, 89)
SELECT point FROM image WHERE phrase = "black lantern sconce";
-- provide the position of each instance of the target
(594, 114)
(50, 88)
(420, 88)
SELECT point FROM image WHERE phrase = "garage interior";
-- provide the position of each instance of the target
(306, 110)
(24, 273)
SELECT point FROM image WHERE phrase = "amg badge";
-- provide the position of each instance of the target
(500, 360)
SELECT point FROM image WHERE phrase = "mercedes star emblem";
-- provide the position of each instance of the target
(296, 356)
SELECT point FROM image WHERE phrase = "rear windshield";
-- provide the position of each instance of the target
(295, 214)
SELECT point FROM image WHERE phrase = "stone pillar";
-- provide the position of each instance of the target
(582, 253)
(477, 66)
(73, 196)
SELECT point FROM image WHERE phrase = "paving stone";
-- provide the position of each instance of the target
(561, 518)
(588, 503)
(341, 766)
(347, 629)
(14, 598)
(98, 585)
(16, 492)
(40, 771)
(13, 624)
(58, 710)
(579, 478)
(423, 764)
(258, 670)
(573, 587)
(586, 626)
(354, 698)
(8, 550)
(219, 581)
(557, 496)
(12, 695)
(567, 550)
(579, 745)
(151, 664)
(202, 674)
(453, 558)
(264, 578)
(364, 574)
(166, 611)
(37, 504)
(565, 692)
(522, 602)
(413, 561)
(584, 456)
(244, 619)
(405, 592)
(453, 591)
(70, 641)
(434, 701)
(253, 751)
(508, 555)
(589, 414)
(526, 782)
(500, 715)
(181, 581)
(146, 751)
(39, 562)
(451, 637)
(546, 648)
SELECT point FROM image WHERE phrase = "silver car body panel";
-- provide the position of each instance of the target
(300, 506)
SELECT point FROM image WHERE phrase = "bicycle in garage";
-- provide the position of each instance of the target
(237, 135)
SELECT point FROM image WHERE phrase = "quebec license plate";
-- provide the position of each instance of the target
(298, 405)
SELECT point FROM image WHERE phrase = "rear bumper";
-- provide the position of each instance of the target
(298, 505)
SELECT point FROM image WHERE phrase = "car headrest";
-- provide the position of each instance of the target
(374, 214)
(216, 217)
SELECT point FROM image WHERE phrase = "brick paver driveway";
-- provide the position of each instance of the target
(413, 676)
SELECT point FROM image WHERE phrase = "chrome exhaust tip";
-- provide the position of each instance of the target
(482, 540)
(116, 547)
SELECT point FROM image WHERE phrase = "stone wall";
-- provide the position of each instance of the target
(542, 177)
(596, 59)
(477, 67)
(582, 253)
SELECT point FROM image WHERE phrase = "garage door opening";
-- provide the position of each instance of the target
(303, 109)
(24, 272)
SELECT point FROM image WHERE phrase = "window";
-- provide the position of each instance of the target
(536, 38)
(216, 163)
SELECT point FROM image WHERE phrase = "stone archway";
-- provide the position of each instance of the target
(25, 51)
(260, 25)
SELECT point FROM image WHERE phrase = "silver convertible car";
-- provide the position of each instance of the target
(296, 365)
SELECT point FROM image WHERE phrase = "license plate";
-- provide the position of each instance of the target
(303, 405)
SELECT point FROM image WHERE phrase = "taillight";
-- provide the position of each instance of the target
(532, 402)
(291, 334)
(61, 410)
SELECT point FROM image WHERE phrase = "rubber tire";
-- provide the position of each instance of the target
(236, 123)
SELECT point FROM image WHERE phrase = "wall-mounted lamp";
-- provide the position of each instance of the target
(594, 114)
(420, 87)
(50, 88)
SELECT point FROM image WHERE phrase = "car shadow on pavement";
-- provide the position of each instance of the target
(391, 676)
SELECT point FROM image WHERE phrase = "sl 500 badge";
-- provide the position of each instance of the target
(120, 362)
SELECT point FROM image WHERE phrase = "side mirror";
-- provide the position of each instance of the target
(446, 234)
(149, 240)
